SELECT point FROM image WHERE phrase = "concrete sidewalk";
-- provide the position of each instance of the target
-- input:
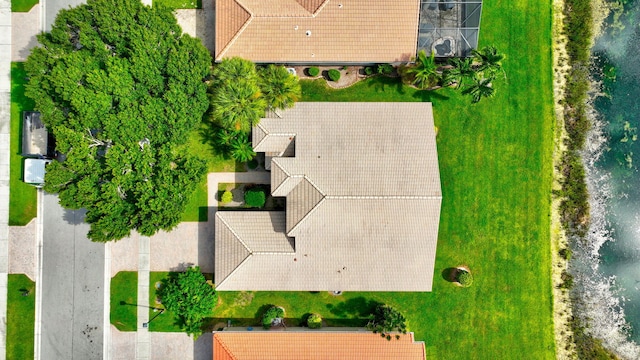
(5, 136)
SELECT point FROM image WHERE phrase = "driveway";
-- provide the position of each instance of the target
(52, 7)
(72, 315)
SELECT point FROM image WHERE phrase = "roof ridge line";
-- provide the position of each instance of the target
(226, 348)
(266, 133)
(321, 7)
(234, 270)
(274, 253)
(315, 186)
(237, 35)
(375, 197)
(235, 234)
(306, 216)
(285, 180)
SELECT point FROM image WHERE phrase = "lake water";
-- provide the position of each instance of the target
(609, 266)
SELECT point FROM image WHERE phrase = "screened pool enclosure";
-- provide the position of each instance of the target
(449, 28)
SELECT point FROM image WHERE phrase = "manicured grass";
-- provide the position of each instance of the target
(496, 167)
(22, 5)
(20, 316)
(181, 4)
(197, 208)
(200, 145)
(124, 296)
(22, 197)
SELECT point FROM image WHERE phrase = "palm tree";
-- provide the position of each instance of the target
(241, 149)
(424, 72)
(481, 88)
(237, 105)
(462, 69)
(280, 89)
(490, 60)
(234, 69)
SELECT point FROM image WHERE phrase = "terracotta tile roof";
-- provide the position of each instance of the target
(317, 31)
(312, 5)
(362, 201)
(312, 345)
(230, 18)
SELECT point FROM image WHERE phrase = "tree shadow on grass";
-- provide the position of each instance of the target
(353, 308)
(429, 95)
(449, 274)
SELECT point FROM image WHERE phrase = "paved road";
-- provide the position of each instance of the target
(72, 286)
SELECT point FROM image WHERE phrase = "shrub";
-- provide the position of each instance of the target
(334, 75)
(464, 278)
(314, 321)
(226, 197)
(313, 71)
(273, 313)
(565, 253)
(254, 198)
(385, 69)
(386, 319)
(567, 280)
(368, 70)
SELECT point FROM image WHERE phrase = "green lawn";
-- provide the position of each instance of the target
(22, 197)
(181, 4)
(22, 5)
(20, 316)
(199, 144)
(124, 296)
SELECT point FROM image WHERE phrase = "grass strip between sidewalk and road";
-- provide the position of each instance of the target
(21, 316)
(124, 298)
(23, 201)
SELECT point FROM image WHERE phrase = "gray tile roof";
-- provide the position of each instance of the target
(362, 202)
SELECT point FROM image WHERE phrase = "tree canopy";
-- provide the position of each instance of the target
(120, 86)
(188, 296)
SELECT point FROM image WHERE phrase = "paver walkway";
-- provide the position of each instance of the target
(5, 129)
(142, 334)
(22, 249)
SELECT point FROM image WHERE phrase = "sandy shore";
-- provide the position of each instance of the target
(562, 311)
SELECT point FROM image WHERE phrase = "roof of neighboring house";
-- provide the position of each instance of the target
(362, 203)
(312, 345)
(317, 31)
(34, 135)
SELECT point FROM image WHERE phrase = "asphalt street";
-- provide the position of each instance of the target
(72, 286)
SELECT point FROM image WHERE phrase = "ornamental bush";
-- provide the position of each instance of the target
(368, 70)
(464, 278)
(227, 197)
(313, 71)
(314, 321)
(254, 198)
(334, 75)
(274, 312)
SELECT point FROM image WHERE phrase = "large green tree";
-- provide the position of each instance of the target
(120, 86)
(188, 295)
